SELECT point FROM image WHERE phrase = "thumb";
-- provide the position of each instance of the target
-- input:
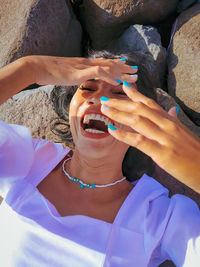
(173, 111)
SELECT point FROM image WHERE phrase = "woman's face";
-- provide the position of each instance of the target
(89, 125)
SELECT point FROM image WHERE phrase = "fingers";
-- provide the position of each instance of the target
(115, 64)
(150, 147)
(133, 94)
(158, 117)
(137, 122)
(104, 73)
(110, 70)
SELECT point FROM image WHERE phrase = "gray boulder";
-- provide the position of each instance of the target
(144, 39)
(106, 20)
(184, 61)
(38, 27)
(167, 101)
(184, 4)
(33, 109)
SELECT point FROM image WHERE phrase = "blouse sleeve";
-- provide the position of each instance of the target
(16, 154)
(181, 239)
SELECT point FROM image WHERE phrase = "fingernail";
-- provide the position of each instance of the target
(134, 76)
(123, 59)
(135, 67)
(126, 84)
(118, 80)
(104, 98)
(111, 127)
(105, 107)
(177, 109)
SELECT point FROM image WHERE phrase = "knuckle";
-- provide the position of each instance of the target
(138, 105)
(136, 119)
(123, 135)
(150, 102)
(97, 70)
(108, 69)
(170, 152)
(139, 140)
(173, 127)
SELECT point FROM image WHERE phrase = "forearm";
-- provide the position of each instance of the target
(14, 77)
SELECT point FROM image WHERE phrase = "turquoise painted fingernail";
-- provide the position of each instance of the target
(135, 67)
(134, 76)
(118, 80)
(123, 59)
(111, 127)
(104, 98)
(177, 109)
(126, 84)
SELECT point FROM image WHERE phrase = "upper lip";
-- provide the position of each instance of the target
(93, 111)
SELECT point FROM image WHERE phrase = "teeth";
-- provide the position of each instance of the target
(94, 131)
(97, 117)
(86, 120)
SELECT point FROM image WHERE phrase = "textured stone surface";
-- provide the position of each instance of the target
(184, 62)
(37, 27)
(184, 4)
(32, 109)
(145, 39)
(167, 101)
(105, 20)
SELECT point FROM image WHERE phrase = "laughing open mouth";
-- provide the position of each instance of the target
(95, 123)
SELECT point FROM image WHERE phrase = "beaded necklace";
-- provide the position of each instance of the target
(82, 184)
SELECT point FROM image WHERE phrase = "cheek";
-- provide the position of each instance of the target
(73, 105)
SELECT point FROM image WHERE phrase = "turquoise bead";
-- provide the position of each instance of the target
(77, 181)
(93, 186)
(88, 185)
(81, 186)
(73, 179)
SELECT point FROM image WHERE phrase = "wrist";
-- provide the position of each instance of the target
(28, 66)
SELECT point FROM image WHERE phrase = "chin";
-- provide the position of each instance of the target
(102, 148)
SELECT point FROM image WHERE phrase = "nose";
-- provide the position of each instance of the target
(103, 89)
(93, 101)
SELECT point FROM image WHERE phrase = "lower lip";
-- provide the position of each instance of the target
(93, 135)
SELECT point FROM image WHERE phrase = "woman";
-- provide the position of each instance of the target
(60, 210)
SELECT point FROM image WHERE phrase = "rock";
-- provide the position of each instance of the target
(37, 27)
(166, 101)
(183, 63)
(184, 4)
(145, 39)
(106, 20)
(32, 109)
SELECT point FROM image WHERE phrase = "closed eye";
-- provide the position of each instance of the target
(86, 89)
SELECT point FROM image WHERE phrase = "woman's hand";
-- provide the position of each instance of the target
(60, 71)
(156, 133)
(74, 70)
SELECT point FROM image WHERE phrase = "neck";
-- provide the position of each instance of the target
(96, 171)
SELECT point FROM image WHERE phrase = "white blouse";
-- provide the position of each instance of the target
(148, 229)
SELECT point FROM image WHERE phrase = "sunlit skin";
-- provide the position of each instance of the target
(105, 154)
(149, 128)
